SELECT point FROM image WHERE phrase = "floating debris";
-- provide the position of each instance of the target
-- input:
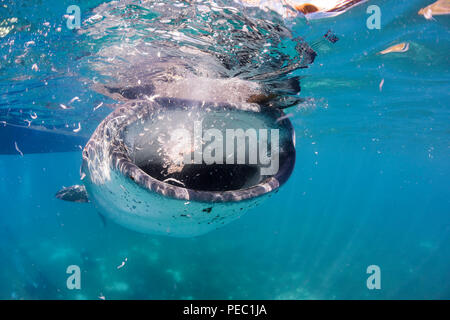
(17, 148)
(34, 67)
(440, 7)
(6, 26)
(74, 99)
(122, 264)
(98, 106)
(77, 129)
(94, 18)
(401, 47)
(33, 115)
(381, 84)
(284, 117)
(151, 98)
(64, 107)
(330, 36)
(102, 297)
(174, 180)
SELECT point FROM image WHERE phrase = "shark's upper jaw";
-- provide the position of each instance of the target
(146, 151)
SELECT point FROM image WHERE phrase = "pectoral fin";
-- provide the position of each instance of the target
(75, 193)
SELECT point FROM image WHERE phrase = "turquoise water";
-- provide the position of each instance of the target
(370, 186)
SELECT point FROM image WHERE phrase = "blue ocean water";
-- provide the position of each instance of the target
(370, 186)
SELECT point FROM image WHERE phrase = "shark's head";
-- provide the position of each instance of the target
(183, 167)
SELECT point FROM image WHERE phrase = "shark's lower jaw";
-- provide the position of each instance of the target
(149, 168)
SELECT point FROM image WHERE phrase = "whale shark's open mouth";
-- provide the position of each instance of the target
(192, 150)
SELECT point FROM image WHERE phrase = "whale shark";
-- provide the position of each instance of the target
(125, 174)
(136, 171)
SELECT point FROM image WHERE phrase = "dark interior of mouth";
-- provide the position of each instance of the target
(204, 177)
(156, 150)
